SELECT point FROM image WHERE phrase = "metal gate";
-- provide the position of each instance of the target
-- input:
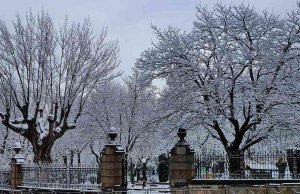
(124, 173)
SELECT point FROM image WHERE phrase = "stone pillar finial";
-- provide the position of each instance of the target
(181, 134)
(17, 148)
(19, 158)
(112, 134)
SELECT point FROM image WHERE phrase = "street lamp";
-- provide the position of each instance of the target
(144, 172)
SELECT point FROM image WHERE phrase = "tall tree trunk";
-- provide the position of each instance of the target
(72, 158)
(42, 151)
(78, 158)
(42, 154)
(3, 146)
(236, 162)
(65, 160)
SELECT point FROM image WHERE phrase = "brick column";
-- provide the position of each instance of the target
(16, 167)
(113, 165)
(182, 162)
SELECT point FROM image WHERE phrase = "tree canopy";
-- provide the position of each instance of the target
(235, 74)
(47, 74)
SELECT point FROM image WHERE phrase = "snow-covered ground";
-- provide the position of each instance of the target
(150, 188)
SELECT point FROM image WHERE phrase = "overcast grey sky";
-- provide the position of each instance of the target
(128, 21)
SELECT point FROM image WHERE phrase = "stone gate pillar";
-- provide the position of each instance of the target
(182, 162)
(113, 165)
(16, 167)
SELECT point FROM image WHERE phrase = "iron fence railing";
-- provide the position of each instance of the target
(247, 166)
(60, 177)
(4, 178)
(261, 189)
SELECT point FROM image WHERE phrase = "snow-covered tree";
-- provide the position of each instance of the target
(73, 148)
(126, 106)
(138, 109)
(102, 113)
(235, 74)
(46, 75)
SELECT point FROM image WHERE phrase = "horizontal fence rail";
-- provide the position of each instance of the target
(61, 177)
(248, 166)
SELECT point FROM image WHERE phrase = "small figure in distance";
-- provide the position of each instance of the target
(281, 165)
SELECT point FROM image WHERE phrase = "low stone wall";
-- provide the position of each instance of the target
(221, 189)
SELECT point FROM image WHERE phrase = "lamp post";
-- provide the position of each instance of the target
(144, 172)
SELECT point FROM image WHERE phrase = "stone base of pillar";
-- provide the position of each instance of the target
(16, 167)
(15, 175)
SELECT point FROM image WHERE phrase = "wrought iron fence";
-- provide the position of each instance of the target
(262, 189)
(4, 178)
(60, 177)
(248, 166)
